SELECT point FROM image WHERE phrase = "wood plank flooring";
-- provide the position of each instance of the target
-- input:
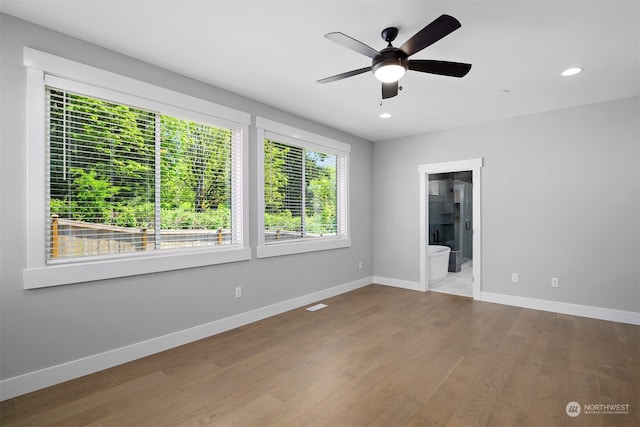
(377, 356)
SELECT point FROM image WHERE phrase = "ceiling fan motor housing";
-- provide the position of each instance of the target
(390, 56)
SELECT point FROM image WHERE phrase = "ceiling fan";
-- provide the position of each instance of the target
(391, 63)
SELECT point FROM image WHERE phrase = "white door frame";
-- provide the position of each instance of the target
(424, 171)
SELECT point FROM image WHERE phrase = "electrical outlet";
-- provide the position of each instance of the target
(360, 265)
(514, 277)
(554, 282)
(239, 292)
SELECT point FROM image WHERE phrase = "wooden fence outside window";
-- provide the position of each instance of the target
(71, 238)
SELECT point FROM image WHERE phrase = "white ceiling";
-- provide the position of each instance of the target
(274, 51)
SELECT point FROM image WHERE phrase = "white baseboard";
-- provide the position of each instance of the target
(600, 313)
(592, 312)
(37, 380)
(398, 283)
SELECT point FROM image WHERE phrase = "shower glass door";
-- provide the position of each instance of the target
(467, 245)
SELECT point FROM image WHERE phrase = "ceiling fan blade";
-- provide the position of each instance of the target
(344, 75)
(430, 34)
(444, 68)
(353, 44)
(389, 90)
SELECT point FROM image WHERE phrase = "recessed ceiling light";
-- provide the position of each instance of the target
(571, 71)
(385, 115)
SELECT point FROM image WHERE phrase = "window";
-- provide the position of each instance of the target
(147, 184)
(104, 161)
(303, 186)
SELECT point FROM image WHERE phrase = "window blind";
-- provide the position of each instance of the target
(304, 194)
(127, 180)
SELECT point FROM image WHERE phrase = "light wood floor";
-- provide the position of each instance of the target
(377, 356)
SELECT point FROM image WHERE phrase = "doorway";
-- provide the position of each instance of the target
(450, 198)
(450, 220)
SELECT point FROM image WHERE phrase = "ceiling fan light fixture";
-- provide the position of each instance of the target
(390, 72)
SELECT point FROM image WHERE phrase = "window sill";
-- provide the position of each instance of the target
(66, 274)
(279, 249)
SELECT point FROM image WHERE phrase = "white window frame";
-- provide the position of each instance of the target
(38, 273)
(294, 136)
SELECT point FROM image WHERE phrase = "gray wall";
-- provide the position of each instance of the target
(46, 327)
(560, 197)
